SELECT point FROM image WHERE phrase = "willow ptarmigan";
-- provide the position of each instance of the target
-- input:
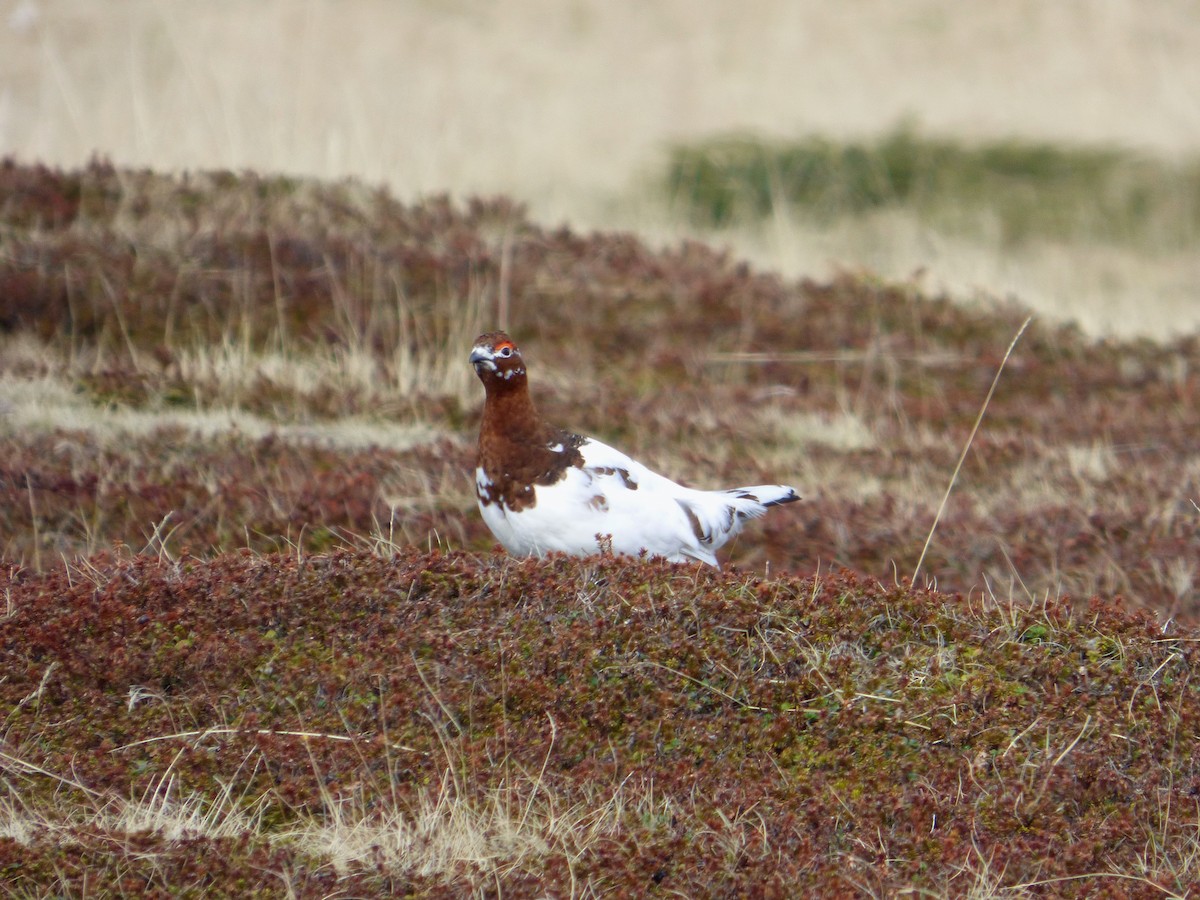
(542, 489)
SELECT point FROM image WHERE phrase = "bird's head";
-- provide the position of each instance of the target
(496, 359)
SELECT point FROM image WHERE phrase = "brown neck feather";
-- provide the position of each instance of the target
(509, 413)
(515, 445)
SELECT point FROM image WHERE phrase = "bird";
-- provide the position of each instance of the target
(542, 489)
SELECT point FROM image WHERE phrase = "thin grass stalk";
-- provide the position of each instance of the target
(967, 447)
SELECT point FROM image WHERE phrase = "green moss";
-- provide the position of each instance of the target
(1035, 634)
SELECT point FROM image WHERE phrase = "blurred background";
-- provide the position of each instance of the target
(1043, 151)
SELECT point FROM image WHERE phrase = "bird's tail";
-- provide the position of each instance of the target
(765, 495)
(716, 516)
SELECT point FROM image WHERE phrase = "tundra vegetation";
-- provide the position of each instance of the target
(255, 639)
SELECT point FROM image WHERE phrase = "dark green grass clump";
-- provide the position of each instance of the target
(1019, 190)
(834, 735)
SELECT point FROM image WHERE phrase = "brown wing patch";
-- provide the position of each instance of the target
(702, 536)
(623, 474)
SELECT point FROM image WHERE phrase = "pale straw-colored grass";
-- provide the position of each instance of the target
(570, 108)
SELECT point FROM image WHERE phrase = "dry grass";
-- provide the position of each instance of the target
(434, 834)
(52, 403)
(571, 108)
(1106, 290)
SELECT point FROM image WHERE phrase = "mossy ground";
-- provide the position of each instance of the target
(234, 406)
(800, 733)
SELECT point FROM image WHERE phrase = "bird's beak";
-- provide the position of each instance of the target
(481, 358)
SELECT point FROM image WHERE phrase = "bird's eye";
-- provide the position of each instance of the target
(504, 352)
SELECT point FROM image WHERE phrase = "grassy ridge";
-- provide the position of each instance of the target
(215, 362)
(443, 724)
(1011, 191)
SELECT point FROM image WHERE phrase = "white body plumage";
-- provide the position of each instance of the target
(614, 502)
